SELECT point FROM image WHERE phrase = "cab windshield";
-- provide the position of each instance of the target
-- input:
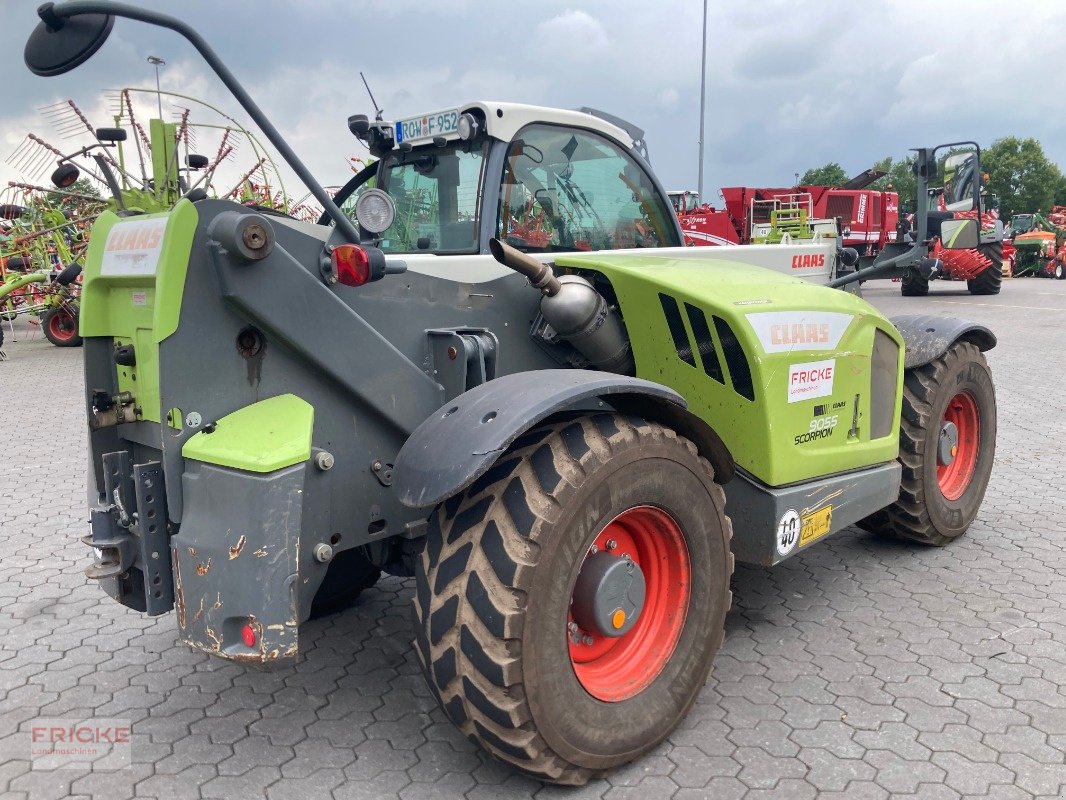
(1020, 223)
(437, 191)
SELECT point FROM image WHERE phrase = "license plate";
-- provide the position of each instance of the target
(816, 524)
(439, 123)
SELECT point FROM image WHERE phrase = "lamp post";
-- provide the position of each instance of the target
(157, 62)
(703, 95)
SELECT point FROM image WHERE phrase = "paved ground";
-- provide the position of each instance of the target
(860, 669)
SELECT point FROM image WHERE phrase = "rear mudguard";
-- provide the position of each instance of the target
(458, 443)
(927, 337)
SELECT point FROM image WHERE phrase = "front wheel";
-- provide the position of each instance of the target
(61, 326)
(569, 604)
(914, 285)
(947, 442)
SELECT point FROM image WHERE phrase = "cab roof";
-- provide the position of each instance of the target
(504, 120)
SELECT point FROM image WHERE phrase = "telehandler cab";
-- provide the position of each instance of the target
(512, 382)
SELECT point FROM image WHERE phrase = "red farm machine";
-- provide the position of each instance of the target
(864, 218)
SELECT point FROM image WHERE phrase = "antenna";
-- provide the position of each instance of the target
(377, 111)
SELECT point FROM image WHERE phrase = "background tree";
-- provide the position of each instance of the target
(80, 186)
(898, 178)
(832, 174)
(1024, 178)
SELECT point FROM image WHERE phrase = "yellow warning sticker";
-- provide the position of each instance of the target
(815, 524)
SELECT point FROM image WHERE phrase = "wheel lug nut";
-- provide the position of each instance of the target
(611, 544)
(586, 640)
(593, 550)
(572, 627)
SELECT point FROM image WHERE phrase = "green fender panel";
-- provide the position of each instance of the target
(265, 436)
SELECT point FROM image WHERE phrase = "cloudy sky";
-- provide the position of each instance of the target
(789, 85)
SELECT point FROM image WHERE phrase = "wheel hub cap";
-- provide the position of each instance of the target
(609, 594)
(948, 446)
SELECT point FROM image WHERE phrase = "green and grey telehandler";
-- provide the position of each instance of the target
(496, 370)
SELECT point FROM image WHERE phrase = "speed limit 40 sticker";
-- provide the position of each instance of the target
(788, 532)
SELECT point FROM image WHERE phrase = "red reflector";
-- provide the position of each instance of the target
(248, 635)
(351, 264)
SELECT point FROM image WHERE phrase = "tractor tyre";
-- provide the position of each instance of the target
(914, 285)
(519, 583)
(349, 573)
(989, 281)
(947, 442)
(61, 327)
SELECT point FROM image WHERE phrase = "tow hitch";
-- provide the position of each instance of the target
(129, 536)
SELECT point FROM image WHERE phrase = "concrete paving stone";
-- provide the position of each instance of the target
(933, 791)
(183, 785)
(318, 784)
(253, 751)
(829, 772)
(857, 790)
(1034, 776)
(448, 785)
(897, 737)
(961, 739)
(763, 771)
(377, 756)
(971, 777)
(434, 760)
(694, 769)
(858, 670)
(252, 783)
(900, 776)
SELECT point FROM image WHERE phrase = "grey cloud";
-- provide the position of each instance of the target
(788, 88)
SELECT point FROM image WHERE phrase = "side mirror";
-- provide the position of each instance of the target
(959, 234)
(960, 176)
(59, 44)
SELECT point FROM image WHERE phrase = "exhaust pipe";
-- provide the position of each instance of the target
(575, 311)
(540, 275)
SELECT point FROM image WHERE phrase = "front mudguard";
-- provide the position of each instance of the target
(236, 561)
(928, 336)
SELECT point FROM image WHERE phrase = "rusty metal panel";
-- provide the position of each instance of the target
(236, 561)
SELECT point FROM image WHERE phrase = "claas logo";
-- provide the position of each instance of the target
(810, 333)
(139, 238)
(808, 260)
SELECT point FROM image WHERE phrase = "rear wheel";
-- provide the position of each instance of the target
(914, 285)
(569, 604)
(947, 443)
(61, 326)
(991, 279)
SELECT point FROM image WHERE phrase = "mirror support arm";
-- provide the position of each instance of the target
(73, 9)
